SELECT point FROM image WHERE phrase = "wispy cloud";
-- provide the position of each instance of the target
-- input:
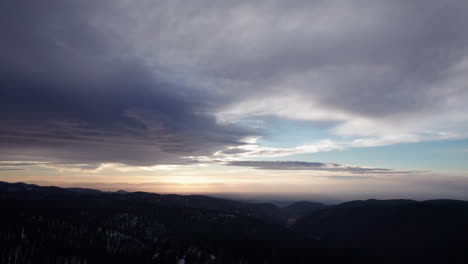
(349, 177)
(313, 166)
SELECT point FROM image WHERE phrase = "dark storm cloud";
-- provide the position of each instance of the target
(71, 92)
(315, 166)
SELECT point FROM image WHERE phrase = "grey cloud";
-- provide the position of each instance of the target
(376, 59)
(313, 166)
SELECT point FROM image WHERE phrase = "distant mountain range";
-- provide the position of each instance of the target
(76, 225)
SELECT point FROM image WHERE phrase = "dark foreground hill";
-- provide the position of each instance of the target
(396, 231)
(58, 225)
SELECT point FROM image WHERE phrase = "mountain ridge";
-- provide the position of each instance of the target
(76, 225)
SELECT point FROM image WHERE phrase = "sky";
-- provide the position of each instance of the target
(310, 99)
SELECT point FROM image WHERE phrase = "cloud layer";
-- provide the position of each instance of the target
(153, 82)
